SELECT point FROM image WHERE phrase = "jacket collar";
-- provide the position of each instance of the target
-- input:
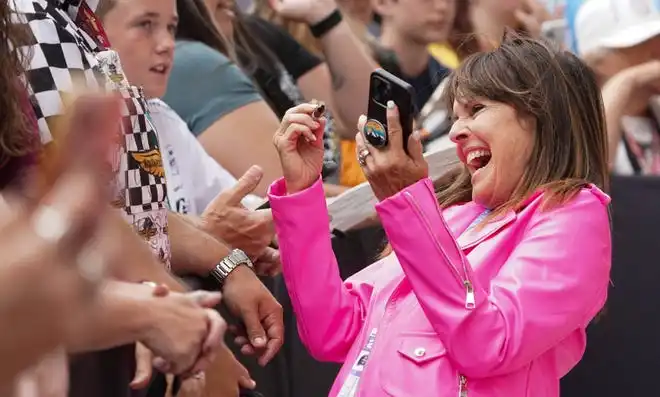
(473, 236)
(470, 238)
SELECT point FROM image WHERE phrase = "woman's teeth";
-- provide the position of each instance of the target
(478, 158)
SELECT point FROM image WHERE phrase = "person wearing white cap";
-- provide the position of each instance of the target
(620, 41)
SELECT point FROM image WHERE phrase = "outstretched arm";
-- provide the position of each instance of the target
(330, 313)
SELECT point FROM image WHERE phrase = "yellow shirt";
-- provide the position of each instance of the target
(445, 55)
(350, 173)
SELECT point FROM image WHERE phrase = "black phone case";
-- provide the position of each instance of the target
(401, 93)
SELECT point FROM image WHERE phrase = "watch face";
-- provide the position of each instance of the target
(240, 257)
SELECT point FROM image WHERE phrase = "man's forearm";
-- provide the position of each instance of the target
(122, 318)
(142, 264)
(193, 250)
(350, 67)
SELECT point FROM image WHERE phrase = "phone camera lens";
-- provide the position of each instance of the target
(382, 91)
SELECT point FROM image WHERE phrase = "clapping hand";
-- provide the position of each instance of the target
(189, 333)
(299, 142)
(54, 232)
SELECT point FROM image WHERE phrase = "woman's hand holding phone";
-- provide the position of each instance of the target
(299, 142)
(391, 168)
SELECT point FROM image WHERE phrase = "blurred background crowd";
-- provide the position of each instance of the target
(122, 299)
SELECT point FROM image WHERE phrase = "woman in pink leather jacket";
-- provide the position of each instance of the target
(495, 274)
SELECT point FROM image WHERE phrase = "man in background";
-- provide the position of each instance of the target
(620, 41)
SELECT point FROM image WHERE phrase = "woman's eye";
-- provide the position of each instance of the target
(172, 29)
(476, 108)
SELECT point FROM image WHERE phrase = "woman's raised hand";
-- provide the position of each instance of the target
(299, 142)
(391, 169)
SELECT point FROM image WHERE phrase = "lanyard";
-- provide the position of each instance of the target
(477, 220)
(350, 387)
(90, 23)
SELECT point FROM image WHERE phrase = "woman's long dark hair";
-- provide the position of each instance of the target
(18, 137)
(253, 54)
(196, 24)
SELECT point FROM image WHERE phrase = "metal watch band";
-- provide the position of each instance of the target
(229, 263)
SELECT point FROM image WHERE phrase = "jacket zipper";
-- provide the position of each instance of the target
(462, 278)
(462, 386)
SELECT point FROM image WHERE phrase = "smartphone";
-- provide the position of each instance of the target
(384, 87)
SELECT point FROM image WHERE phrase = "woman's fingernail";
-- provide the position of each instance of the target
(258, 341)
(416, 135)
(390, 104)
(362, 119)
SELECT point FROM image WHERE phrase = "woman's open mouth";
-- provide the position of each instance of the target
(478, 159)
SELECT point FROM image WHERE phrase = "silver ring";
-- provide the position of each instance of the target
(91, 265)
(362, 156)
(50, 224)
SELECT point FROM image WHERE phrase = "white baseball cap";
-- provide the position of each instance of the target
(615, 24)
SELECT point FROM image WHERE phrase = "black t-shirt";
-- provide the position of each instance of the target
(293, 56)
(282, 61)
(424, 84)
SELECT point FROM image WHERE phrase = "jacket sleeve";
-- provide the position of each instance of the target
(553, 283)
(330, 313)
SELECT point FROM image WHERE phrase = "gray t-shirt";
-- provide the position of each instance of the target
(205, 85)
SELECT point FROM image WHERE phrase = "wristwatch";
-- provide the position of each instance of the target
(227, 265)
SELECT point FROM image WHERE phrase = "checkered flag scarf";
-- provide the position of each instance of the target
(63, 56)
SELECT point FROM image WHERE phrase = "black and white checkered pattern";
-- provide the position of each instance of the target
(60, 55)
(145, 190)
(63, 56)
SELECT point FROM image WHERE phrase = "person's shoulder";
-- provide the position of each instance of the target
(586, 201)
(194, 52)
(590, 194)
(166, 117)
(157, 107)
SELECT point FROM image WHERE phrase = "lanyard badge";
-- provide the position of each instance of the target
(350, 387)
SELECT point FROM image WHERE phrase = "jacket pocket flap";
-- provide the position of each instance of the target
(421, 348)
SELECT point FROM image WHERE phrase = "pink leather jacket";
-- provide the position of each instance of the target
(499, 311)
